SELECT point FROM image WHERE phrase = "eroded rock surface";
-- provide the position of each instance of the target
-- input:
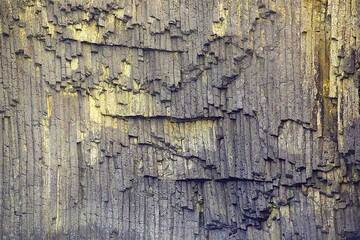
(179, 119)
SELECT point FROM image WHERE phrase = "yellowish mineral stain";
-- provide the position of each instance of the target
(69, 91)
(103, 104)
(49, 105)
(51, 29)
(273, 225)
(22, 34)
(110, 21)
(45, 135)
(285, 212)
(126, 69)
(119, 13)
(219, 27)
(88, 32)
(74, 64)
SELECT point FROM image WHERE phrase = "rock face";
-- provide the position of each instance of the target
(180, 119)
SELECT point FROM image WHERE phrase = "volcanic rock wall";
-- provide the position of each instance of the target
(180, 119)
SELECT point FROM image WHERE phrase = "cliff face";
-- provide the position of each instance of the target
(180, 119)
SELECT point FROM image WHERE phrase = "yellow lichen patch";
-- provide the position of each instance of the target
(126, 69)
(74, 64)
(22, 38)
(322, 54)
(110, 101)
(49, 104)
(22, 34)
(103, 104)
(87, 32)
(285, 212)
(334, 62)
(220, 25)
(110, 107)
(45, 136)
(125, 73)
(110, 21)
(69, 91)
(27, 14)
(110, 122)
(136, 86)
(81, 135)
(119, 13)
(51, 29)
(219, 28)
(274, 227)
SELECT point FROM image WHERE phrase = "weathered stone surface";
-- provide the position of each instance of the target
(179, 119)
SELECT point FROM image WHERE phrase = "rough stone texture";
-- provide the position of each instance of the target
(180, 119)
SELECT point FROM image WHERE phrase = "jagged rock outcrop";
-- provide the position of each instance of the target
(179, 119)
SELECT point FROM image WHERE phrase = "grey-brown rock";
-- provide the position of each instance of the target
(180, 119)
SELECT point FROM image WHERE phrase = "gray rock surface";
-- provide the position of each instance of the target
(179, 119)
